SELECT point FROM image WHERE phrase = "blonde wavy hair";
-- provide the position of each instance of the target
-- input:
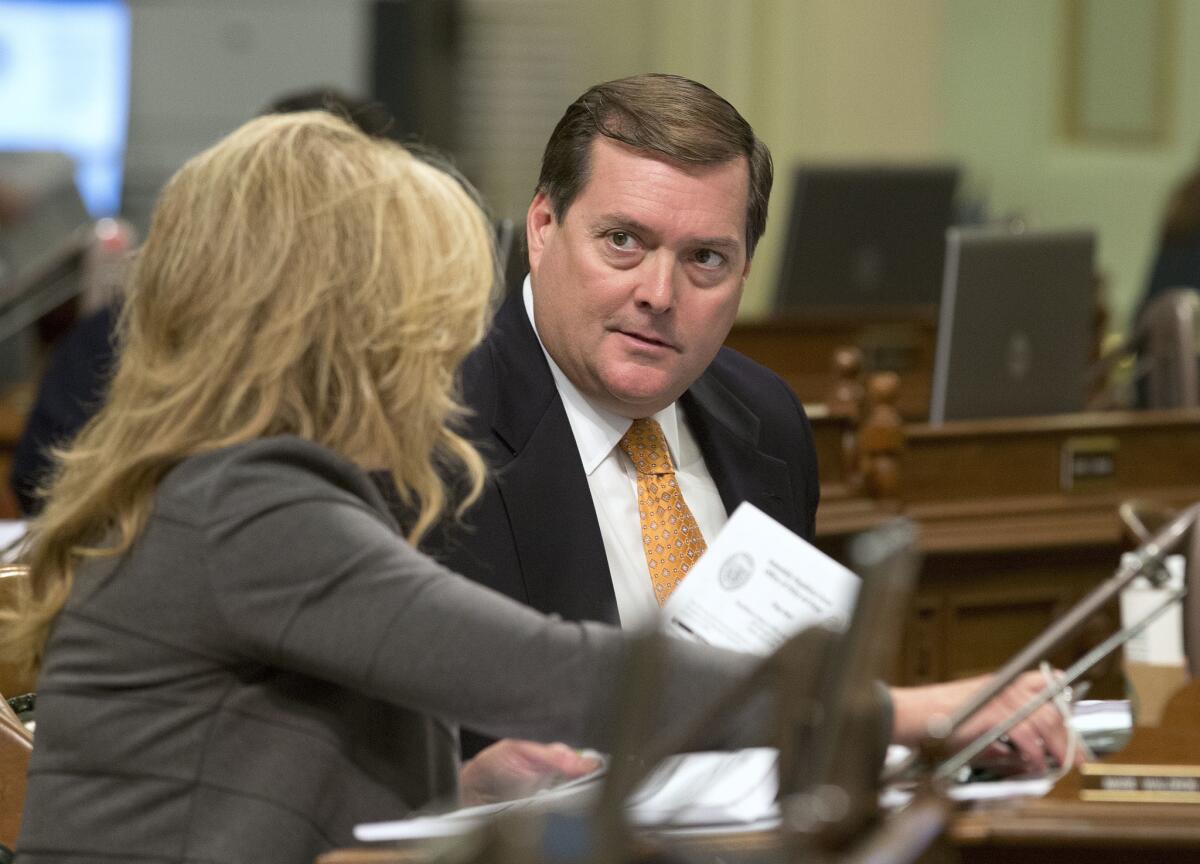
(299, 278)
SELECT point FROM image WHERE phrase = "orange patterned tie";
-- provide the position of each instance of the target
(670, 536)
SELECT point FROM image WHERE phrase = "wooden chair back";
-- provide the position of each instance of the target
(16, 745)
(14, 680)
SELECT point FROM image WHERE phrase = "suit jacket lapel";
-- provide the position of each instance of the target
(544, 490)
(728, 435)
(542, 484)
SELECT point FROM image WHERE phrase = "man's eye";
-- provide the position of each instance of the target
(709, 258)
(621, 239)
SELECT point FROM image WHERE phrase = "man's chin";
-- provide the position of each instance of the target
(640, 401)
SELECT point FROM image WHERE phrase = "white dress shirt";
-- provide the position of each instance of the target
(613, 483)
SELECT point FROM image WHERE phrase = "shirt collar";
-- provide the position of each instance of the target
(597, 430)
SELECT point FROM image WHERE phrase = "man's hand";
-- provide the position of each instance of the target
(514, 769)
(1042, 734)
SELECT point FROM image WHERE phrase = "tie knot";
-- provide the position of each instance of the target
(646, 447)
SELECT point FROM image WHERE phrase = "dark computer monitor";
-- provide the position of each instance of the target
(866, 235)
(64, 86)
(1016, 325)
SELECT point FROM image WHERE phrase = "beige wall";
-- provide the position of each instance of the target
(1002, 89)
(978, 81)
(818, 79)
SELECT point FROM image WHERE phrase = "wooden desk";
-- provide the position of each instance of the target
(1049, 831)
(1042, 831)
(757, 847)
(12, 420)
(1018, 519)
(1010, 540)
(14, 679)
(800, 349)
(1057, 828)
(830, 432)
(1062, 828)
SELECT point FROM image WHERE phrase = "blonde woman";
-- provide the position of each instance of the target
(242, 657)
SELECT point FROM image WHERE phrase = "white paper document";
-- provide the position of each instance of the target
(696, 789)
(1105, 724)
(693, 790)
(576, 794)
(757, 585)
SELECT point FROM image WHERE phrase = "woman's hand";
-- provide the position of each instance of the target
(1041, 736)
(515, 769)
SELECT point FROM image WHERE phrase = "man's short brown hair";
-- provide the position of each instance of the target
(667, 115)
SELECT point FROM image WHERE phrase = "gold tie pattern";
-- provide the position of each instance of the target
(670, 536)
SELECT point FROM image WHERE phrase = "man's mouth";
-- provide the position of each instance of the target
(647, 339)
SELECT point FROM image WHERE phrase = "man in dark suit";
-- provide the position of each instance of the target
(652, 195)
(631, 296)
(536, 535)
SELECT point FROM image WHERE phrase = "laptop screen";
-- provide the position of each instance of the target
(1016, 325)
(866, 235)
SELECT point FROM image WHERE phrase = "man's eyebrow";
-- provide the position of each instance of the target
(611, 220)
(717, 243)
(623, 221)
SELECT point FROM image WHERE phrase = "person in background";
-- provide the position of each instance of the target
(76, 378)
(369, 116)
(1177, 257)
(1174, 271)
(70, 392)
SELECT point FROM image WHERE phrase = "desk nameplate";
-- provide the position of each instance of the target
(1158, 784)
(1088, 462)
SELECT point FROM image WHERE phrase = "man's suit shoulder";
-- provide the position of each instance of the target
(749, 397)
(763, 391)
(477, 373)
(735, 369)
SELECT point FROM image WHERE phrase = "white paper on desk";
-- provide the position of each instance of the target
(893, 798)
(572, 795)
(757, 585)
(709, 789)
(692, 790)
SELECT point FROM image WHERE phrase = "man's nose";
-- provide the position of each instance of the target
(656, 287)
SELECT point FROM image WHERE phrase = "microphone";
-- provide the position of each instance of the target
(951, 766)
(1145, 561)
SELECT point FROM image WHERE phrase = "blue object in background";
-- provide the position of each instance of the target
(64, 86)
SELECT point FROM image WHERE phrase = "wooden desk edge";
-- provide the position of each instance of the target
(1079, 823)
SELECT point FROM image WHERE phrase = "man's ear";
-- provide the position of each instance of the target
(539, 224)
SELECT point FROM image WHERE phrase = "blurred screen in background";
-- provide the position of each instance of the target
(64, 86)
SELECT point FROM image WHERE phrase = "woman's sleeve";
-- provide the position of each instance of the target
(322, 585)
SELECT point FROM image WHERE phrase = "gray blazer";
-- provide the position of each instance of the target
(271, 664)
